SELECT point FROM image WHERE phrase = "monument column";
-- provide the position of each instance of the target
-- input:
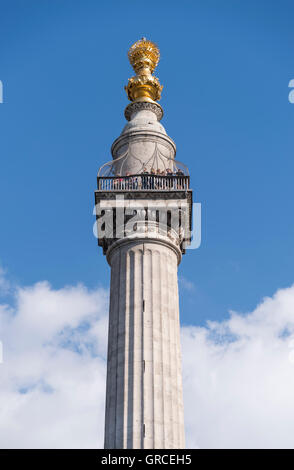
(144, 407)
(143, 206)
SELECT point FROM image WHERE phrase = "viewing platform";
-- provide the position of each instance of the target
(143, 182)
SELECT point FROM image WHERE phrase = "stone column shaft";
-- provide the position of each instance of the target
(144, 403)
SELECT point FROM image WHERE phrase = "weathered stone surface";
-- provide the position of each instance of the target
(144, 404)
(145, 140)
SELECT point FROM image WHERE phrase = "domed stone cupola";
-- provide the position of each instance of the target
(143, 144)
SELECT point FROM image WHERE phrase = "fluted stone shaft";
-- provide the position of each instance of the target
(144, 403)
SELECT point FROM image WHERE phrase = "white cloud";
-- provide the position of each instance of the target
(238, 374)
(53, 370)
(4, 284)
(239, 378)
(186, 284)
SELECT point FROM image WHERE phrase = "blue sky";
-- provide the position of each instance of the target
(225, 67)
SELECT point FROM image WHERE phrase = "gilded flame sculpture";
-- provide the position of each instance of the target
(144, 56)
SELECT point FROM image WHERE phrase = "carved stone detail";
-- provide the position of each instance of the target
(143, 105)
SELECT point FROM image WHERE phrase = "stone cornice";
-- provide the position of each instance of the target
(143, 105)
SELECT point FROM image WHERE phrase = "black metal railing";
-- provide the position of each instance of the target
(143, 182)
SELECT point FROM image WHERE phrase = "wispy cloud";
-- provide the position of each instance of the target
(4, 283)
(186, 284)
